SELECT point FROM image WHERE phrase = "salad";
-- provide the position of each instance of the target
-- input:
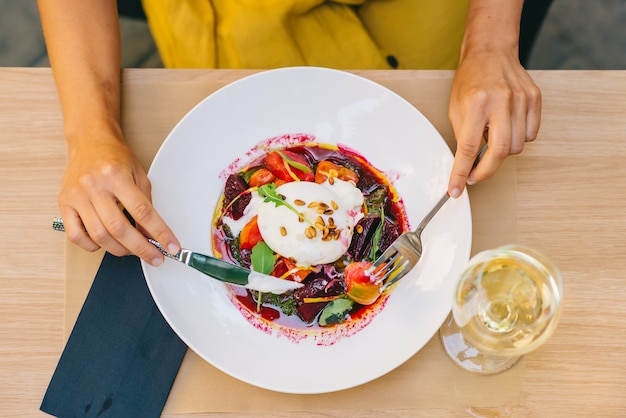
(314, 213)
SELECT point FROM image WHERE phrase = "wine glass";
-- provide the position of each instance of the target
(507, 303)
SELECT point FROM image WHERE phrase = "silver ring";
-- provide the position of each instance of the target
(57, 224)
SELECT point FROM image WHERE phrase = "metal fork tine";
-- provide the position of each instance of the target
(377, 270)
(384, 258)
(401, 271)
(395, 269)
(392, 265)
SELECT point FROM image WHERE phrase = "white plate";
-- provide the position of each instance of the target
(335, 107)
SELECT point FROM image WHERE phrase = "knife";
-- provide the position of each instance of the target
(230, 273)
(220, 269)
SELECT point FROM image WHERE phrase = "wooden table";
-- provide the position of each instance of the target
(571, 195)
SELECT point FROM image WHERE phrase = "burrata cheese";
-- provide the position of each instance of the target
(321, 230)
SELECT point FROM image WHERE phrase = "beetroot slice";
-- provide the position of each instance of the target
(235, 186)
(318, 286)
(389, 234)
(361, 242)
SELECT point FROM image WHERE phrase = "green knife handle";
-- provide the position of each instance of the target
(219, 269)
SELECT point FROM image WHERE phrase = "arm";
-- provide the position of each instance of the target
(492, 94)
(83, 44)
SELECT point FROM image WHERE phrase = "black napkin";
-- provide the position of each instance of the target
(122, 357)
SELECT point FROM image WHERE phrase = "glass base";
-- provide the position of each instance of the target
(469, 357)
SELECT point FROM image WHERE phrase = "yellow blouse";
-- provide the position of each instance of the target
(344, 34)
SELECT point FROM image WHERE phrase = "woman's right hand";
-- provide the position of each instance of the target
(102, 178)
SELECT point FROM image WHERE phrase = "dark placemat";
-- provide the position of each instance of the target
(121, 357)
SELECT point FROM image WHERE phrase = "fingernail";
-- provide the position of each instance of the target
(156, 262)
(456, 192)
(172, 248)
(471, 181)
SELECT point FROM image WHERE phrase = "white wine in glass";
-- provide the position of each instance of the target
(506, 304)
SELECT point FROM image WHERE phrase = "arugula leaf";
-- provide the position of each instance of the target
(269, 193)
(302, 167)
(262, 258)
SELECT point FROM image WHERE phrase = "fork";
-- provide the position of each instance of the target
(405, 252)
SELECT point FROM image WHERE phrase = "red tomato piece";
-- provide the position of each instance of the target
(250, 235)
(261, 177)
(285, 265)
(359, 285)
(285, 171)
(297, 275)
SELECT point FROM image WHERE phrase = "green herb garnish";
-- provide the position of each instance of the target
(377, 235)
(233, 243)
(285, 302)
